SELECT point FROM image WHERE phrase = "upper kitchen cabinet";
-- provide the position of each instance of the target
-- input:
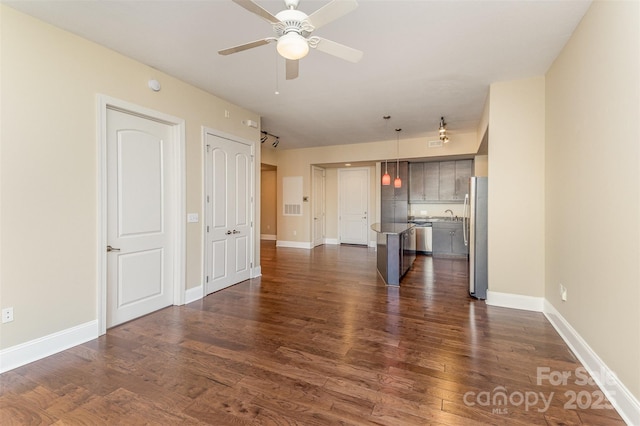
(389, 192)
(424, 181)
(454, 179)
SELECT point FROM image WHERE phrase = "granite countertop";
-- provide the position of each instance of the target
(432, 219)
(392, 228)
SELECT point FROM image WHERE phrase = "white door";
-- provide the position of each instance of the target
(139, 216)
(354, 205)
(318, 206)
(228, 212)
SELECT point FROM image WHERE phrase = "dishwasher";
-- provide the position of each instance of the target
(423, 237)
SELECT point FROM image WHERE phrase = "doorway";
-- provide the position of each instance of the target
(229, 198)
(141, 247)
(353, 205)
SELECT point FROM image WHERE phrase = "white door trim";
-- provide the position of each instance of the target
(317, 199)
(254, 266)
(179, 182)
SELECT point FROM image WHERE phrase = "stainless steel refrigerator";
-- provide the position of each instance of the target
(475, 235)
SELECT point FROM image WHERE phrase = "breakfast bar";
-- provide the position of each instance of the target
(396, 250)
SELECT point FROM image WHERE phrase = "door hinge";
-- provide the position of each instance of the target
(207, 198)
(207, 228)
(208, 148)
(207, 278)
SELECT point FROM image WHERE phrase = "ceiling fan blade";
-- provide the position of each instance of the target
(258, 10)
(292, 69)
(331, 11)
(336, 49)
(246, 46)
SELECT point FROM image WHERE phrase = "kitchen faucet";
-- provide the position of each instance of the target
(450, 211)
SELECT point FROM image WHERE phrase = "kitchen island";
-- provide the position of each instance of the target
(395, 244)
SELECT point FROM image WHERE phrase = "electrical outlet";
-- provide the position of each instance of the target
(563, 293)
(295, 232)
(227, 114)
(7, 315)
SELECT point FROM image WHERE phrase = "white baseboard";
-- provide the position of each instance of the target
(294, 244)
(616, 392)
(24, 353)
(193, 294)
(332, 241)
(269, 237)
(515, 301)
(373, 244)
(256, 272)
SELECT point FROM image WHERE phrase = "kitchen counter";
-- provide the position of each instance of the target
(395, 250)
(419, 220)
(391, 228)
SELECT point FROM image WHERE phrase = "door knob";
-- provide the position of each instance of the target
(228, 232)
(236, 232)
(110, 249)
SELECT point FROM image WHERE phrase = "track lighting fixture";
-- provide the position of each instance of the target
(443, 131)
(265, 136)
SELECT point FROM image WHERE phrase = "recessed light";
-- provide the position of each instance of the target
(348, 164)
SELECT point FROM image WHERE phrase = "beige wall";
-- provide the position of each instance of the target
(481, 165)
(269, 155)
(48, 181)
(593, 160)
(516, 187)
(268, 215)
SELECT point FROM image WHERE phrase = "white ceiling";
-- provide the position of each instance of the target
(422, 59)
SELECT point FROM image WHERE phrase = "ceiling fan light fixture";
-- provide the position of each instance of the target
(292, 46)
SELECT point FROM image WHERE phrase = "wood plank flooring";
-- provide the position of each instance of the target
(317, 340)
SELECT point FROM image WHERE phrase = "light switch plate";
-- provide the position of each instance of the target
(192, 218)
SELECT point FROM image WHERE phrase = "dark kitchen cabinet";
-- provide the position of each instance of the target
(447, 180)
(424, 181)
(454, 179)
(448, 239)
(394, 211)
(439, 181)
(464, 170)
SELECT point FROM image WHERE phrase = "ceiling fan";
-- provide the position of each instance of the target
(293, 29)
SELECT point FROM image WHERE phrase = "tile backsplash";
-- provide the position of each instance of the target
(435, 209)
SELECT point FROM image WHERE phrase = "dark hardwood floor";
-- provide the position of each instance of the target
(317, 340)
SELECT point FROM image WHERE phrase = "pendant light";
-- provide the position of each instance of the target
(386, 178)
(397, 183)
